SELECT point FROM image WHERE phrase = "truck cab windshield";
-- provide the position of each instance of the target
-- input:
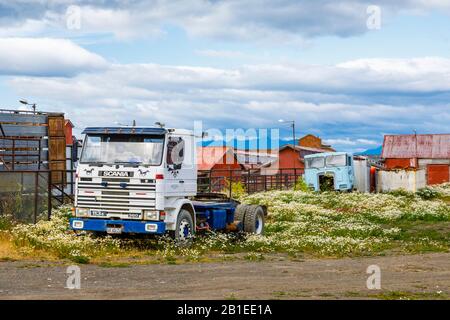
(339, 160)
(315, 163)
(115, 149)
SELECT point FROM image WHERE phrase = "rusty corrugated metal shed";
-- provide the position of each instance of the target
(430, 146)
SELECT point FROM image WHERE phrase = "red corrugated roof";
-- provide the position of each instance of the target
(301, 148)
(67, 121)
(431, 146)
(207, 157)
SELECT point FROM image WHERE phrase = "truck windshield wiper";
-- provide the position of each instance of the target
(97, 163)
(131, 163)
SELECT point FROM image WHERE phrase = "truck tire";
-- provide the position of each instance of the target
(239, 213)
(184, 232)
(254, 220)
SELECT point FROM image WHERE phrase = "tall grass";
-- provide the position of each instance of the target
(319, 224)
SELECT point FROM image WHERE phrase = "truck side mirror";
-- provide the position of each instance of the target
(74, 154)
(175, 153)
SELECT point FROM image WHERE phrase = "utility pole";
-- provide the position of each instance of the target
(293, 132)
(292, 123)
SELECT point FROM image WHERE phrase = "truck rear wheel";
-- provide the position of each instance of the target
(184, 231)
(239, 213)
(254, 220)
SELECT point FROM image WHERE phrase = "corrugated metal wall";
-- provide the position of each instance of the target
(23, 142)
(437, 173)
(362, 175)
(410, 180)
(32, 141)
(57, 148)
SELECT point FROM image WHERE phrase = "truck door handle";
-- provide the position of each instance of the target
(181, 181)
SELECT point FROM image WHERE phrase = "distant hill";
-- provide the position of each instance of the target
(242, 144)
(371, 152)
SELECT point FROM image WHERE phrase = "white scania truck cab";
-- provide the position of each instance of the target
(136, 180)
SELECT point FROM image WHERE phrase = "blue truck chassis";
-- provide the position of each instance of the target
(212, 215)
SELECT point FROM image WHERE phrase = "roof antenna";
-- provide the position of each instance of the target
(160, 124)
(134, 123)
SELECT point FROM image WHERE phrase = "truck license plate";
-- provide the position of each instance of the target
(114, 230)
(98, 213)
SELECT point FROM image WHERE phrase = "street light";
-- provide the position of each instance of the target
(125, 125)
(33, 105)
(292, 123)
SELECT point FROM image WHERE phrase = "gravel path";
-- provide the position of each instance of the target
(275, 278)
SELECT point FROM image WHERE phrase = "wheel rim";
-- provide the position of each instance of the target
(184, 230)
(258, 224)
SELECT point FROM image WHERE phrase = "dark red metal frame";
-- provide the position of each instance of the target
(253, 181)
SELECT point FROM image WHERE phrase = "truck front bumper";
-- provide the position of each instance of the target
(127, 226)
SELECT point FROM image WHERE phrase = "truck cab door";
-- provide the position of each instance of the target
(180, 172)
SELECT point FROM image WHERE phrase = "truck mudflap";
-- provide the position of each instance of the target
(118, 226)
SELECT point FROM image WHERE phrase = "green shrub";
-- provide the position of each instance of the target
(428, 193)
(301, 185)
(10, 205)
(402, 193)
(237, 189)
(6, 223)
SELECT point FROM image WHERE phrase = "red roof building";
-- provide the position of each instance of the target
(216, 166)
(312, 141)
(217, 159)
(423, 151)
(68, 128)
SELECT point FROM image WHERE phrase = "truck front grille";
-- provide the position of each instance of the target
(114, 198)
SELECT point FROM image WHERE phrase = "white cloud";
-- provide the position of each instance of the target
(352, 142)
(254, 20)
(46, 57)
(24, 28)
(345, 142)
(122, 23)
(424, 75)
(370, 76)
(339, 103)
(357, 99)
(368, 142)
(219, 53)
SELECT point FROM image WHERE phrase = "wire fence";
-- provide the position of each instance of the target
(28, 196)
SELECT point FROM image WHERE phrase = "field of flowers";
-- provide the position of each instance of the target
(352, 223)
(299, 223)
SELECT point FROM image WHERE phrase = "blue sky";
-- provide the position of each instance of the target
(233, 64)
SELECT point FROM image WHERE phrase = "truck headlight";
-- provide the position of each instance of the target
(82, 212)
(151, 227)
(76, 224)
(151, 215)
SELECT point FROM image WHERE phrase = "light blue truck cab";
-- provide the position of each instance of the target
(329, 171)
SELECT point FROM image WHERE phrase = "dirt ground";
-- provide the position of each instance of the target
(277, 277)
